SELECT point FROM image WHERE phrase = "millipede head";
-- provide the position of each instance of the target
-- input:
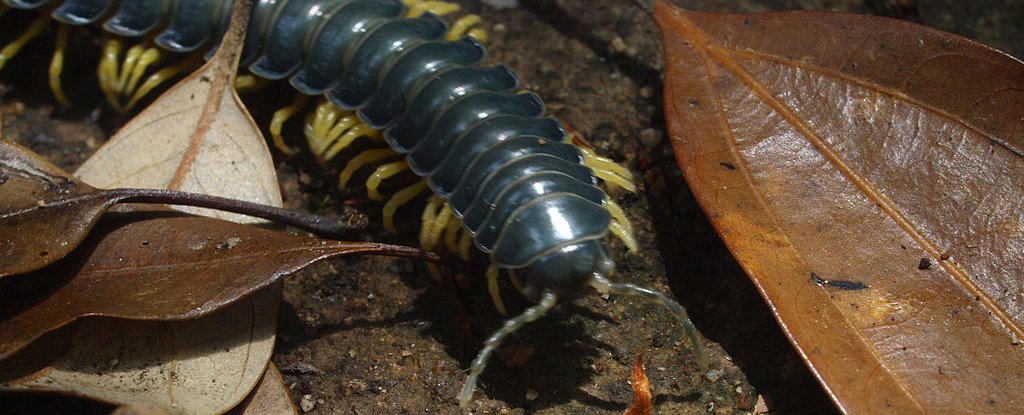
(568, 271)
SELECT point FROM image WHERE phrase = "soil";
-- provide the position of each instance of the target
(380, 336)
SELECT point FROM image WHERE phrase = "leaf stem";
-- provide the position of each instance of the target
(320, 225)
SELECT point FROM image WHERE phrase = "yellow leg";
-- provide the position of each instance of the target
(383, 172)
(609, 171)
(357, 162)
(128, 65)
(149, 56)
(620, 225)
(57, 64)
(440, 8)
(249, 82)
(160, 77)
(464, 25)
(33, 31)
(279, 118)
(106, 73)
(400, 198)
(430, 212)
(429, 217)
(119, 77)
(350, 135)
(330, 130)
(451, 234)
(495, 290)
(465, 243)
(620, 231)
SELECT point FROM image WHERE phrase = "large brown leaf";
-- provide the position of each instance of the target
(868, 175)
(158, 266)
(45, 213)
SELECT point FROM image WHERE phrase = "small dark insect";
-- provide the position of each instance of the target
(924, 264)
(845, 285)
(524, 195)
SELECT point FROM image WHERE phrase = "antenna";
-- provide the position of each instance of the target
(547, 302)
(602, 284)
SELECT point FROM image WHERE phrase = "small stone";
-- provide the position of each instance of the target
(651, 137)
(307, 403)
(617, 45)
(924, 264)
(531, 394)
(646, 92)
(714, 374)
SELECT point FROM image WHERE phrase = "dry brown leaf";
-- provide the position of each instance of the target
(205, 366)
(158, 266)
(196, 137)
(643, 400)
(868, 175)
(271, 396)
(45, 213)
(31, 238)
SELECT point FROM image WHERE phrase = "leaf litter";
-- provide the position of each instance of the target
(169, 365)
(576, 104)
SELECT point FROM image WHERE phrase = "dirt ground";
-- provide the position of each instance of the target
(380, 336)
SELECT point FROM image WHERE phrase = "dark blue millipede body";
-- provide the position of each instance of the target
(463, 127)
(523, 193)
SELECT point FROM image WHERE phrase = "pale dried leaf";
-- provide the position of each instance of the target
(196, 137)
(200, 366)
(271, 396)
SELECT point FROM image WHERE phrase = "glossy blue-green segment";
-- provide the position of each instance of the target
(439, 91)
(137, 17)
(26, 4)
(472, 171)
(192, 24)
(520, 192)
(325, 52)
(375, 50)
(466, 201)
(81, 12)
(446, 133)
(417, 63)
(546, 224)
(282, 48)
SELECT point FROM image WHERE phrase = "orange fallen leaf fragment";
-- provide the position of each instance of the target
(643, 402)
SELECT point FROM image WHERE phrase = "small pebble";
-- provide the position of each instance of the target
(617, 45)
(531, 394)
(651, 137)
(307, 403)
(646, 92)
(714, 374)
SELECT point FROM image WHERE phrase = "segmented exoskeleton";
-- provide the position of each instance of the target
(527, 197)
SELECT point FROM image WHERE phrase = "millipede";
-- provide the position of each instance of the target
(503, 176)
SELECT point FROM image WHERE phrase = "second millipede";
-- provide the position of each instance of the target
(528, 199)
